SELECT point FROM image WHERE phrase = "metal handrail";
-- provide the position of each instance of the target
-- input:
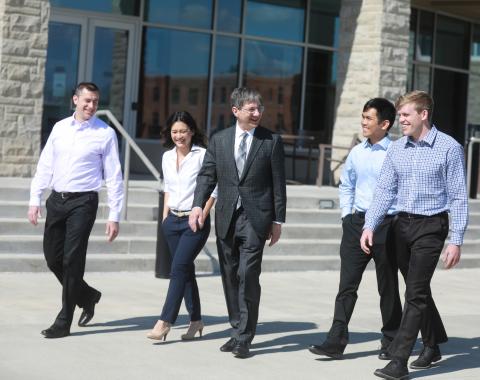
(473, 140)
(130, 143)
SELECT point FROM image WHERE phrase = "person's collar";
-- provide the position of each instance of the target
(383, 143)
(239, 131)
(85, 123)
(428, 139)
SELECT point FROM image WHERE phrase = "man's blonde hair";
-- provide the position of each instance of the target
(421, 99)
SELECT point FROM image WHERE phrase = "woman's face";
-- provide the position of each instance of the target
(181, 135)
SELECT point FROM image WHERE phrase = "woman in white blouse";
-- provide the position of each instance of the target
(180, 167)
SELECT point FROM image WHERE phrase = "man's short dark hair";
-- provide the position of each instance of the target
(89, 86)
(385, 110)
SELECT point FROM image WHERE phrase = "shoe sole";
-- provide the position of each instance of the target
(384, 376)
(434, 360)
(324, 353)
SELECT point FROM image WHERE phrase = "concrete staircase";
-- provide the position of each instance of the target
(310, 238)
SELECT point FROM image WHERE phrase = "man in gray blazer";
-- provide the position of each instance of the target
(247, 162)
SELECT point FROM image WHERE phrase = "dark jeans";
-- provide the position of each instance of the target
(240, 256)
(184, 245)
(353, 264)
(67, 229)
(419, 244)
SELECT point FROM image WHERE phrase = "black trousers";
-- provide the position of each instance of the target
(240, 256)
(67, 229)
(353, 264)
(419, 243)
(184, 245)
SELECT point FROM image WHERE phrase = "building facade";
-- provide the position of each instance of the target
(315, 62)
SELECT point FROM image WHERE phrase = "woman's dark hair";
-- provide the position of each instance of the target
(198, 137)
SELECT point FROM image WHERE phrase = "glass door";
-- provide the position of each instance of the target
(94, 50)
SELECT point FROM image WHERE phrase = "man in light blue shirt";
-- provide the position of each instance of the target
(357, 185)
(425, 172)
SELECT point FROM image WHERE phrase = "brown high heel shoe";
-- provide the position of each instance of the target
(192, 330)
(160, 331)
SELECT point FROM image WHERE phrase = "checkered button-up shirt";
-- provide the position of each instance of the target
(427, 177)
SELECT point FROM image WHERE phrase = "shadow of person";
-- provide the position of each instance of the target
(143, 323)
(464, 353)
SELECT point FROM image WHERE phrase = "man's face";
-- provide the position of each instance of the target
(86, 104)
(372, 128)
(249, 115)
(411, 121)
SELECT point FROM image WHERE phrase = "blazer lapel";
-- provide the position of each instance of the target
(230, 141)
(256, 144)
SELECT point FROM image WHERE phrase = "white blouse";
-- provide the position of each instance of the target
(180, 185)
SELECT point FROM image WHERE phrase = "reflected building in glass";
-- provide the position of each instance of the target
(315, 62)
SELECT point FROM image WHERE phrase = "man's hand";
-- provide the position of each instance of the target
(275, 233)
(451, 256)
(34, 213)
(196, 219)
(366, 241)
(112, 230)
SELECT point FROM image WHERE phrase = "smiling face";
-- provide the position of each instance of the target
(181, 135)
(413, 123)
(372, 128)
(86, 104)
(249, 115)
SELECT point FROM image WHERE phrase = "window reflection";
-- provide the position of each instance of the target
(320, 95)
(324, 22)
(474, 81)
(449, 113)
(425, 37)
(224, 81)
(110, 62)
(60, 73)
(130, 8)
(229, 15)
(195, 13)
(283, 20)
(276, 68)
(421, 79)
(167, 65)
(453, 42)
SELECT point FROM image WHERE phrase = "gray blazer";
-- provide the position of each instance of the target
(262, 185)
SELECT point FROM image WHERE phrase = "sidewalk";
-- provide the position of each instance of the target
(295, 311)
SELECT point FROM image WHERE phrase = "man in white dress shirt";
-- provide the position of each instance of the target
(80, 151)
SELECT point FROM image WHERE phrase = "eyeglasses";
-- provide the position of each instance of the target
(252, 110)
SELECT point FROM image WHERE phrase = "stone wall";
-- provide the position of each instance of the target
(23, 51)
(372, 61)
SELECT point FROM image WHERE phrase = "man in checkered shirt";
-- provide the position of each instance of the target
(425, 171)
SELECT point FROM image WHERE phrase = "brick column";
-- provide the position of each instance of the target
(23, 52)
(372, 61)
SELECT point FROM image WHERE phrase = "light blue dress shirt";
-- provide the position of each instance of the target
(360, 174)
(426, 177)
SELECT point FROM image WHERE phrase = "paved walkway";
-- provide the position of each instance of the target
(295, 310)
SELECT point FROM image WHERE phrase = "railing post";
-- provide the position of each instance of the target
(126, 179)
(163, 259)
(472, 188)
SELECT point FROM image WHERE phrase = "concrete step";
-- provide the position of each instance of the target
(139, 245)
(203, 263)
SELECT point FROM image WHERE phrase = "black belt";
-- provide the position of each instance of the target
(403, 214)
(67, 195)
(361, 214)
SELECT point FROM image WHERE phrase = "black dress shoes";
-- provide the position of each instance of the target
(89, 311)
(334, 351)
(241, 350)
(383, 353)
(228, 347)
(55, 332)
(395, 370)
(428, 356)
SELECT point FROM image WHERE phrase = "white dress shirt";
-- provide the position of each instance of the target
(76, 157)
(180, 184)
